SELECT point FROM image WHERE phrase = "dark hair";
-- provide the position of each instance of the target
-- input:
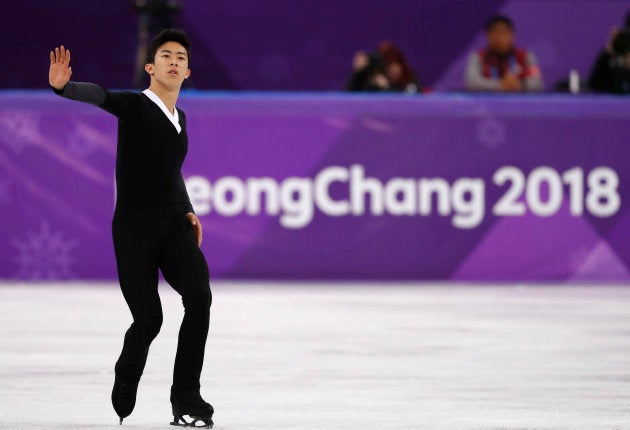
(392, 54)
(168, 35)
(627, 21)
(498, 19)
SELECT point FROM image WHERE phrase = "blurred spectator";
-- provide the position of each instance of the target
(384, 70)
(153, 17)
(368, 73)
(501, 66)
(611, 71)
(400, 76)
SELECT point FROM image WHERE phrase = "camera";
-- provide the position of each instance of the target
(621, 42)
(375, 64)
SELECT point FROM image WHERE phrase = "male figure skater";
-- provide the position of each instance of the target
(154, 226)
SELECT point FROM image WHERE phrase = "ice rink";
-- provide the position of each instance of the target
(331, 356)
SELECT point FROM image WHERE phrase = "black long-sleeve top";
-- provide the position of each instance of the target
(150, 151)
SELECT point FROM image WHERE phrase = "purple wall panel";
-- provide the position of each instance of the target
(564, 158)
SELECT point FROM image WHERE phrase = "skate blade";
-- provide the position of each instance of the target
(195, 422)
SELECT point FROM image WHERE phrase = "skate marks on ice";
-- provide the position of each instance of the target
(318, 356)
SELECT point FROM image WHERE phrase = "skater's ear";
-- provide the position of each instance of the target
(149, 68)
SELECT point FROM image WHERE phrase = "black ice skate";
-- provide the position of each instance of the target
(192, 405)
(124, 398)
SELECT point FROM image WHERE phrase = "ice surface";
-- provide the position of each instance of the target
(331, 356)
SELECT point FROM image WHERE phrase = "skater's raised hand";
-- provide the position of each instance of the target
(60, 70)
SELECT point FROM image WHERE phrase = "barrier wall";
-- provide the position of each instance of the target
(308, 186)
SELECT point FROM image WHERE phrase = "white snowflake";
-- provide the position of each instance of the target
(84, 140)
(19, 128)
(491, 132)
(44, 254)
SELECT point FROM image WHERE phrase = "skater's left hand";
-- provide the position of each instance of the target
(196, 225)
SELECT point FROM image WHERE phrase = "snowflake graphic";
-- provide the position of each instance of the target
(491, 132)
(84, 140)
(19, 128)
(44, 254)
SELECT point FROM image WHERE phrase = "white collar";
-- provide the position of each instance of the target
(174, 118)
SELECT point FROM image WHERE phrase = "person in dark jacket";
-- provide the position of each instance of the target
(385, 69)
(368, 73)
(611, 71)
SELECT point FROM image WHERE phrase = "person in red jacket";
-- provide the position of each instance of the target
(501, 66)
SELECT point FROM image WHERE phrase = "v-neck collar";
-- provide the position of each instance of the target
(173, 118)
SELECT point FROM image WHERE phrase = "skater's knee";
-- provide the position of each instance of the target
(200, 300)
(204, 298)
(149, 328)
(153, 329)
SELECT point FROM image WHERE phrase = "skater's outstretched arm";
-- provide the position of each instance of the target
(120, 104)
(59, 79)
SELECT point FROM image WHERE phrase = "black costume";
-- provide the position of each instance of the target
(151, 232)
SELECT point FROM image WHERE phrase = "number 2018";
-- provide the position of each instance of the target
(601, 199)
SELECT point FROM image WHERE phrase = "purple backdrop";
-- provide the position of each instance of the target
(305, 45)
(439, 187)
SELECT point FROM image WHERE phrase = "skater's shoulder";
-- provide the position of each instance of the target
(122, 102)
(127, 94)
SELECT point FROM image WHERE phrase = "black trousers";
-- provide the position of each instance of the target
(168, 243)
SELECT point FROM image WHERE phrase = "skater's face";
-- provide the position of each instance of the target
(170, 65)
(500, 38)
